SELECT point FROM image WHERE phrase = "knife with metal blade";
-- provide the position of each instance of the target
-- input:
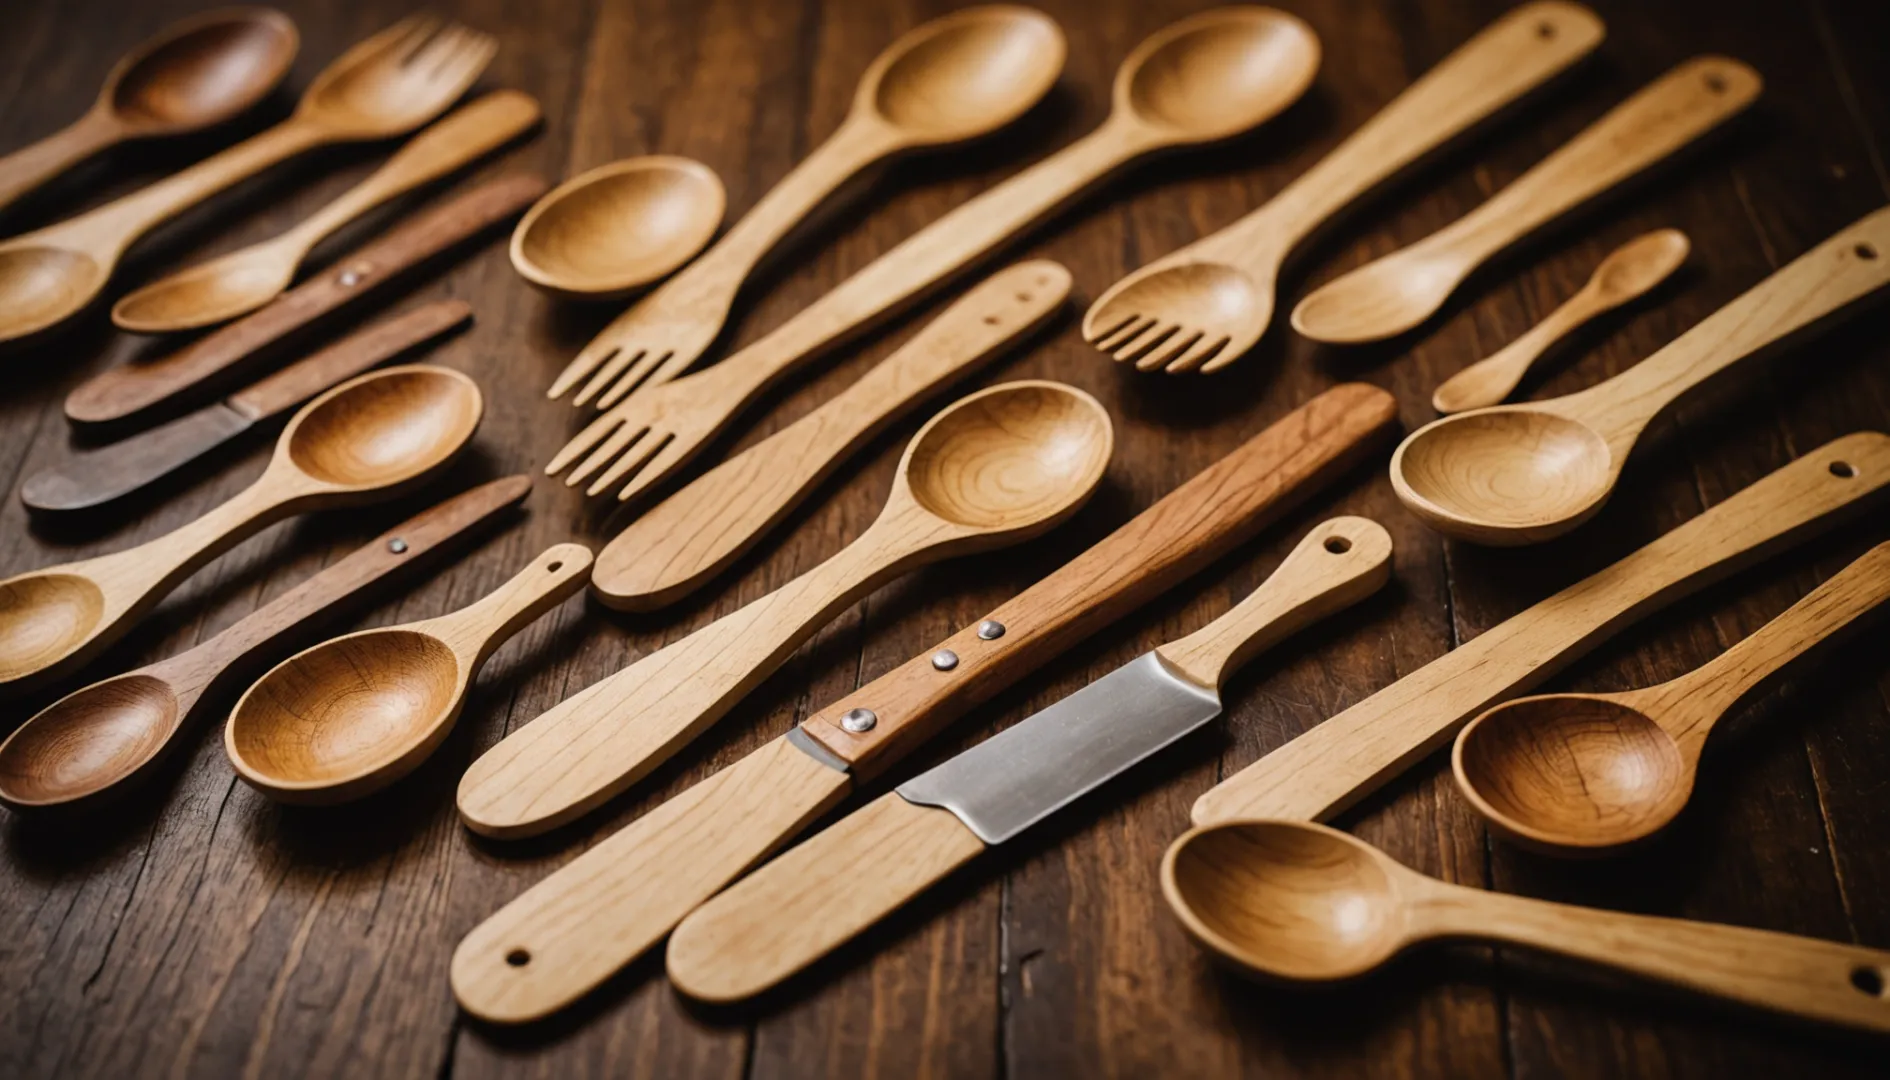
(570, 932)
(803, 905)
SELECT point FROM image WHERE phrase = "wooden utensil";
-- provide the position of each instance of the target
(93, 478)
(1205, 78)
(95, 741)
(569, 932)
(1585, 774)
(610, 231)
(1626, 274)
(994, 468)
(369, 438)
(1330, 767)
(350, 716)
(1297, 902)
(694, 534)
(1521, 474)
(123, 392)
(1202, 307)
(954, 78)
(387, 85)
(244, 280)
(1396, 293)
(826, 891)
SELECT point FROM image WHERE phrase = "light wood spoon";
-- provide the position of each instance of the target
(1396, 293)
(369, 438)
(994, 468)
(1202, 307)
(1297, 902)
(610, 231)
(954, 78)
(193, 75)
(1586, 774)
(352, 715)
(387, 85)
(244, 280)
(1521, 474)
(97, 740)
(1627, 273)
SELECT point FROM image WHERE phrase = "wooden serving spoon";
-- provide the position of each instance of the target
(1394, 294)
(96, 740)
(244, 280)
(352, 715)
(1584, 774)
(387, 85)
(193, 75)
(1521, 474)
(1626, 274)
(610, 231)
(954, 78)
(370, 438)
(1297, 902)
(994, 468)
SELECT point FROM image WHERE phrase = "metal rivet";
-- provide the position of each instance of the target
(944, 659)
(858, 720)
(349, 279)
(990, 630)
(397, 546)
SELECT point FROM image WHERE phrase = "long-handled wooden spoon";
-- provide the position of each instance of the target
(1584, 774)
(369, 438)
(1394, 294)
(97, 740)
(1523, 473)
(614, 229)
(193, 75)
(244, 280)
(352, 715)
(954, 78)
(1202, 307)
(1202, 79)
(1297, 902)
(994, 468)
(387, 85)
(1627, 273)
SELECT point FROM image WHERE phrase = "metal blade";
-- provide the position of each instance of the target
(96, 477)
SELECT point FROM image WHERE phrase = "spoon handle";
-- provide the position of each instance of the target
(476, 631)
(30, 166)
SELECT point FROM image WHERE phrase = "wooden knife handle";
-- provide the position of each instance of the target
(1329, 768)
(1190, 527)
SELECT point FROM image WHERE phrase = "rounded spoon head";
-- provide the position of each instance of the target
(390, 427)
(618, 227)
(1640, 264)
(1504, 476)
(87, 742)
(1572, 774)
(42, 284)
(201, 71)
(1380, 300)
(965, 74)
(44, 618)
(208, 293)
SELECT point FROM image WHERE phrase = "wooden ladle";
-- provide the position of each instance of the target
(994, 468)
(1584, 774)
(369, 438)
(352, 715)
(1523, 473)
(614, 229)
(1297, 902)
(195, 74)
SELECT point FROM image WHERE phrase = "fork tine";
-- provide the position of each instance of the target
(643, 375)
(652, 464)
(1202, 352)
(582, 441)
(582, 364)
(1156, 333)
(1227, 354)
(1179, 342)
(465, 69)
(1097, 338)
(416, 31)
(1134, 325)
(622, 359)
(619, 441)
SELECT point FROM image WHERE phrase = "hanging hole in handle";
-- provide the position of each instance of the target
(1843, 470)
(1338, 545)
(1023, 298)
(990, 320)
(1867, 980)
(555, 567)
(1865, 252)
(518, 958)
(1716, 83)
(1545, 30)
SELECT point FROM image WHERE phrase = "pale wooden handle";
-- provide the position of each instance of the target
(1339, 563)
(693, 535)
(30, 166)
(1342, 760)
(811, 900)
(477, 630)
(1490, 380)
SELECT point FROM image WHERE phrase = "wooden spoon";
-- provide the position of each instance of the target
(1584, 774)
(1521, 474)
(352, 715)
(96, 740)
(244, 280)
(387, 85)
(193, 75)
(370, 438)
(1627, 273)
(1298, 902)
(1394, 294)
(992, 469)
(954, 78)
(612, 230)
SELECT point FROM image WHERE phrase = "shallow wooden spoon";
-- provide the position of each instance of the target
(1585, 774)
(1296, 902)
(612, 230)
(369, 438)
(195, 74)
(1521, 474)
(352, 715)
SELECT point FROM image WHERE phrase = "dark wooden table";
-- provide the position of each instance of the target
(200, 930)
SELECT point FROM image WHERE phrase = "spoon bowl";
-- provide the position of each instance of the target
(60, 756)
(384, 427)
(1219, 73)
(210, 292)
(1508, 475)
(976, 71)
(43, 618)
(1024, 454)
(202, 72)
(618, 227)
(43, 284)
